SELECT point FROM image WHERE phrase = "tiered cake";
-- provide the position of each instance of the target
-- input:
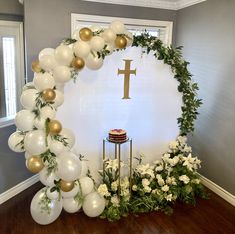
(117, 135)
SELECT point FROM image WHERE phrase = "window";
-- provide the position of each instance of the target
(11, 70)
(161, 29)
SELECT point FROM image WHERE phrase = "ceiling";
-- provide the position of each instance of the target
(164, 4)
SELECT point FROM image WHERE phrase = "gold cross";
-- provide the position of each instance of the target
(127, 72)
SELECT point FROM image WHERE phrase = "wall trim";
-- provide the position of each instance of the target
(162, 4)
(218, 190)
(18, 188)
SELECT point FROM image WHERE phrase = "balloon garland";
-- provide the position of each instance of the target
(48, 146)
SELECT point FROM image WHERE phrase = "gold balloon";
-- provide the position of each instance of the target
(120, 42)
(35, 66)
(48, 95)
(34, 164)
(66, 186)
(78, 63)
(55, 127)
(85, 34)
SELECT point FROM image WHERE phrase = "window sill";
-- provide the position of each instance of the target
(7, 121)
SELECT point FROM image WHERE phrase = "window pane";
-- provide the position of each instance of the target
(9, 74)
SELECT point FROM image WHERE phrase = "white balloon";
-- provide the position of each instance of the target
(60, 87)
(68, 166)
(93, 62)
(28, 97)
(52, 195)
(130, 39)
(81, 49)
(109, 35)
(87, 185)
(24, 120)
(97, 43)
(14, 140)
(59, 99)
(42, 216)
(70, 205)
(71, 193)
(43, 81)
(27, 155)
(46, 51)
(62, 74)
(35, 142)
(76, 35)
(47, 112)
(57, 147)
(64, 55)
(69, 135)
(29, 85)
(39, 123)
(93, 205)
(118, 27)
(48, 62)
(47, 179)
(95, 28)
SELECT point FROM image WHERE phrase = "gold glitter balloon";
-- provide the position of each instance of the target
(55, 127)
(85, 34)
(34, 164)
(48, 95)
(35, 66)
(66, 186)
(78, 63)
(120, 42)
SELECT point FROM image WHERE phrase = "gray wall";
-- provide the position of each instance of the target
(11, 10)
(12, 165)
(207, 32)
(48, 22)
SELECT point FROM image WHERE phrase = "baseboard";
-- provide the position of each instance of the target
(18, 188)
(218, 190)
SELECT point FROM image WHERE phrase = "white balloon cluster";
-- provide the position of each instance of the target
(48, 146)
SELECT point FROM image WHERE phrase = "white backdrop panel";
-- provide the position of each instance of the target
(94, 105)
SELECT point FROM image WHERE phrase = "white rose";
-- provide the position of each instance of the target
(134, 187)
(147, 189)
(184, 178)
(145, 182)
(103, 190)
(173, 145)
(165, 188)
(115, 201)
(159, 168)
(114, 186)
(169, 197)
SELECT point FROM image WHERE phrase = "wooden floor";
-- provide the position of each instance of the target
(209, 216)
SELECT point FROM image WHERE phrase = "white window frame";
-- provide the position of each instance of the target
(20, 69)
(78, 19)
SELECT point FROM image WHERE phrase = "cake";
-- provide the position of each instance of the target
(117, 135)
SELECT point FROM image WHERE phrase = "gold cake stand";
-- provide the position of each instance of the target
(117, 154)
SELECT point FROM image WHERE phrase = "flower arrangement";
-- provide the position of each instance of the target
(154, 186)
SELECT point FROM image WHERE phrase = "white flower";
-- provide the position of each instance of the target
(184, 178)
(145, 169)
(160, 180)
(103, 190)
(196, 181)
(187, 149)
(113, 164)
(182, 139)
(165, 188)
(147, 189)
(173, 145)
(124, 183)
(171, 180)
(173, 161)
(159, 168)
(145, 182)
(114, 186)
(115, 201)
(125, 192)
(169, 197)
(134, 187)
(166, 157)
